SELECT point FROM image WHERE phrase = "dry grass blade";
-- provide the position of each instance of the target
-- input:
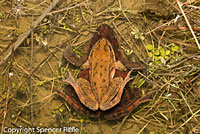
(188, 23)
(68, 8)
(186, 121)
(6, 105)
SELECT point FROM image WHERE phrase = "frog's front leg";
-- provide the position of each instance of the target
(72, 58)
(134, 65)
(84, 92)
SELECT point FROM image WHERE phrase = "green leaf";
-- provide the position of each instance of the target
(174, 47)
(156, 57)
(149, 47)
(150, 54)
(167, 52)
(45, 26)
(158, 62)
(61, 110)
(162, 52)
(81, 120)
(141, 82)
(157, 52)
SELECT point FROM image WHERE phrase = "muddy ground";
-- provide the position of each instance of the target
(149, 31)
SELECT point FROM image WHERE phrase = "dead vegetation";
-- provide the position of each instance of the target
(162, 34)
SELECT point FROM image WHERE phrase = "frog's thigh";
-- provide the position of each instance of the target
(108, 100)
(116, 99)
(86, 95)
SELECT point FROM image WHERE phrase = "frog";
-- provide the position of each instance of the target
(100, 88)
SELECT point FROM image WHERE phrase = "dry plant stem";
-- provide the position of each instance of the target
(32, 8)
(6, 106)
(35, 102)
(160, 38)
(84, 16)
(186, 115)
(169, 28)
(187, 105)
(189, 81)
(189, 2)
(143, 127)
(182, 61)
(163, 25)
(64, 9)
(27, 33)
(147, 121)
(195, 90)
(180, 42)
(167, 23)
(31, 82)
(124, 119)
(186, 121)
(9, 28)
(122, 36)
(188, 23)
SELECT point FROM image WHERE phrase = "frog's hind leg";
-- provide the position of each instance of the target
(110, 94)
(84, 92)
(72, 99)
(131, 99)
(110, 100)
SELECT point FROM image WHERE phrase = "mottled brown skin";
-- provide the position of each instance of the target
(101, 91)
(103, 64)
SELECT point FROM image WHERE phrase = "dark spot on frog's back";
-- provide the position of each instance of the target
(101, 74)
(103, 80)
(95, 83)
(101, 66)
(95, 65)
(94, 74)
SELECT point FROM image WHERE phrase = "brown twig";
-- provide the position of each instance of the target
(64, 9)
(188, 23)
(9, 28)
(193, 115)
(7, 99)
(164, 24)
(27, 33)
(124, 119)
(31, 82)
(169, 28)
(189, 2)
(177, 41)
